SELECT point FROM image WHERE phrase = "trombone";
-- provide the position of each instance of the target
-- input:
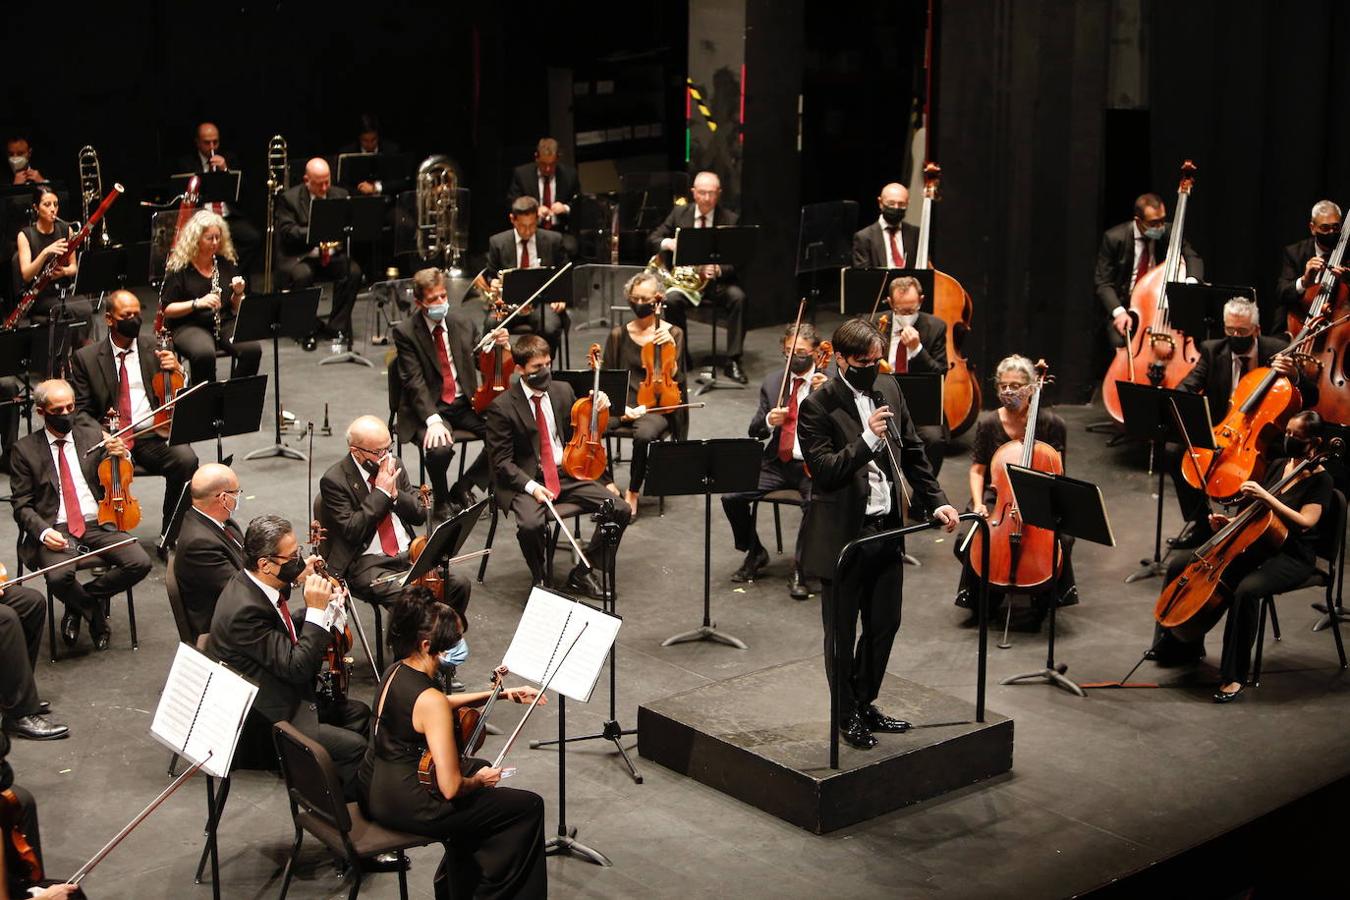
(91, 189)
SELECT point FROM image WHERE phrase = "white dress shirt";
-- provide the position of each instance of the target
(88, 503)
(878, 487)
(399, 531)
(140, 401)
(273, 595)
(891, 259)
(534, 249)
(554, 438)
(897, 323)
(445, 341)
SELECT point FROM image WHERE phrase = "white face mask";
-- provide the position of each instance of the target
(18, 163)
(907, 321)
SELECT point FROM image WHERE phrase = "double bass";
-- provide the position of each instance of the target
(1021, 556)
(1324, 360)
(1155, 353)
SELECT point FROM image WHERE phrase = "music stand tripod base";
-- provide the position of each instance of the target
(568, 843)
(276, 450)
(1053, 676)
(347, 356)
(707, 632)
(1147, 569)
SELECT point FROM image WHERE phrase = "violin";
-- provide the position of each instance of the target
(1020, 555)
(494, 368)
(584, 457)
(470, 733)
(117, 507)
(1155, 353)
(658, 386)
(19, 853)
(884, 326)
(433, 580)
(166, 383)
(824, 350)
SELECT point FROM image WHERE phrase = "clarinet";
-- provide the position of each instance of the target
(215, 289)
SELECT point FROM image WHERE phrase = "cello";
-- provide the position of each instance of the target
(1326, 361)
(1020, 555)
(117, 507)
(584, 457)
(1155, 353)
(952, 304)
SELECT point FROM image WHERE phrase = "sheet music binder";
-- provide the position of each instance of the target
(201, 711)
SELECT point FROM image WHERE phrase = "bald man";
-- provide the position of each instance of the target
(208, 157)
(210, 547)
(889, 242)
(300, 263)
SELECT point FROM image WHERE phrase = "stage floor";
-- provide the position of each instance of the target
(1099, 786)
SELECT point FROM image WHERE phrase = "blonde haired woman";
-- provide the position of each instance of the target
(201, 280)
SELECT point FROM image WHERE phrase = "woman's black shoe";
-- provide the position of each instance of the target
(1222, 696)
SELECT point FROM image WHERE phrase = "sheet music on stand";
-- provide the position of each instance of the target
(547, 627)
(201, 711)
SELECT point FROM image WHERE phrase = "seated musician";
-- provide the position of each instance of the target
(254, 633)
(623, 350)
(201, 268)
(553, 184)
(1302, 262)
(55, 489)
(118, 374)
(1222, 364)
(300, 263)
(781, 465)
(916, 341)
(370, 140)
(1257, 573)
(438, 369)
(47, 239)
(207, 157)
(210, 547)
(15, 873)
(525, 246)
(1013, 377)
(890, 242)
(372, 516)
(527, 429)
(723, 289)
(19, 158)
(494, 835)
(23, 613)
(1127, 252)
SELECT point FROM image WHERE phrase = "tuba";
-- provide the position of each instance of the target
(683, 281)
(278, 180)
(91, 188)
(438, 212)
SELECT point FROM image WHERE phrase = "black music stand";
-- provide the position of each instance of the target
(213, 187)
(731, 245)
(272, 317)
(110, 269)
(717, 466)
(16, 360)
(346, 220)
(863, 290)
(1150, 414)
(613, 384)
(389, 168)
(923, 396)
(218, 410)
(1062, 505)
(1201, 306)
(446, 540)
(824, 241)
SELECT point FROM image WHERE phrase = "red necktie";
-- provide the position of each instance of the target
(286, 614)
(524, 254)
(124, 396)
(1145, 260)
(897, 254)
(388, 540)
(546, 461)
(901, 357)
(74, 515)
(447, 376)
(787, 435)
(702, 221)
(547, 200)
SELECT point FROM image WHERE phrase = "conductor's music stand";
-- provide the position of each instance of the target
(723, 245)
(1064, 506)
(718, 466)
(824, 242)
(274, 316)
(218, 410)
(346, 220)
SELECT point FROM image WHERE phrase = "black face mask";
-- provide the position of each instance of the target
(370, 465)
(1241, 345)
(59, 422)
(862, 377)
(1328, 241)
(540, 380)
(1294, 447)
(893, 215)
(800, 365)
(290, 570)
(643, 310)
(128, 328)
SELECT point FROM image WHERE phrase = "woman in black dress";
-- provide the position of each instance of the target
(201, 267)
(623, 350)
(494, 836)
(45, 239)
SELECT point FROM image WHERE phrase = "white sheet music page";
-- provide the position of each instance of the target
(547, 628)
(201, 711)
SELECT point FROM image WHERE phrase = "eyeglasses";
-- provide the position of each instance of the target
(1240, 332)
(378, 451)
(236, 494)
(1008, 386)
(286, 559)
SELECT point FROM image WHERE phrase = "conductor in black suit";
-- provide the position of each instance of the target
(843, 430)
(916, 342)
(527, 428)
(97, 375)
(527, 246)
(300, 263)
(210, 547)
(1127, 252)
(209, 158)
(1302, 262)
(552, 184)
(254, 632)
(890, 242)
(722, 288)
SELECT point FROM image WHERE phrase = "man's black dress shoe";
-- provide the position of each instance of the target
(386, 862)
(102, 639)
(36, 727)
(797, 589)
(309, 342)
(734, 372)
(70, 628)
(1221, 696)
(876, 720)
(580, 581)
(462, 495)
(755, 560)
(855, 733)
(44, 706)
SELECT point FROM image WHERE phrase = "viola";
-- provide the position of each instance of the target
(824, 350)
(1324, 359)
(1020, 555)
(167, 383)
(432, 580)
(494, 369)
(17, 849)
(584, 457)
(335, 673)
(1155, 353)
(470, 733)
(117, 506)
(658, 386)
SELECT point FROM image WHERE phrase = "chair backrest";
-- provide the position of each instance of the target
(180, 617)
(311, 778)
(395, 391)
(1332, 539)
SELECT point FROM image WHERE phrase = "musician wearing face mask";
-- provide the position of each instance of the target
(850, 430)
(1303, 262)
(118, 374)
(210, 546)
(19, 155)
(889, 242)
(1223, 362)
(916, 341)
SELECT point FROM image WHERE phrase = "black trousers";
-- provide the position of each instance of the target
(532, 518)
(458, 415)
(345, 274)
(645, 430)
(343, 729)
(544, 322)
(1194, 507)
(127, 566)
(870, 592)
(494, 847)
(199, 347)
(372, 566)
(774, 475)
(174, 464)
(23, 613)
(730, 298)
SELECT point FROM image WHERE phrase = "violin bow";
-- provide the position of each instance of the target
(571, 540)
(66, 562)
(881, 292)
(148, 416)
(497, 763)
(486, 343)
(787, 365)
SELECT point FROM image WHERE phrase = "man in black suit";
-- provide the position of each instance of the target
(208, 158)
(438, 371)
(372, 513)
(843, 433)
(722, 288)
(55, 489)
(525, 246)
(300, 263)
(23, 613)
(1127, 252)
(1302, 262)
(916, 341)
(369, 140)
(890, 242)
(552, 184)
(527, 428)
(254, 633)
(118, 374)
(210, 547)
(781, 465)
